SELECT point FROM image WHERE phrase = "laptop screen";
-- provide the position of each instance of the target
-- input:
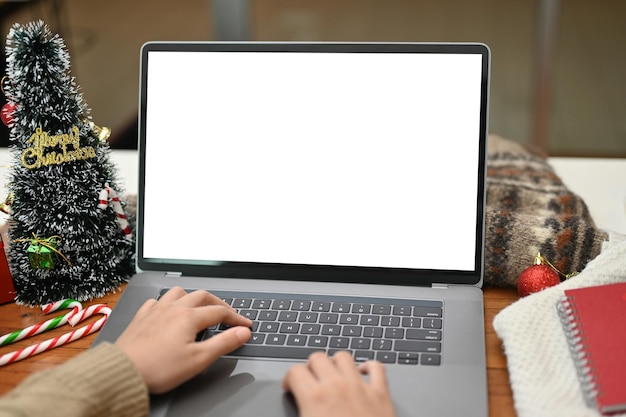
(317, 157)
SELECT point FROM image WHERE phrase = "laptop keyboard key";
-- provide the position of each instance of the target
(349, 319)
(341, 307)
(280, 352)
(330, 318)
(269, 327)
(267, 315)
(429, 323)
(296, 340)
(256, 339)
(427, 311)
(354, 331)
(321, 306)
(331, 329)
(417, 346)
(339, 342)
(201, 335)
(382, 344)
(383, 310)
(408, 358)
(386, 357)
(301, 305)
(368, 320)
(331, 352)
(287, 316)
(394, 333)
(250, 314)
(307, 317)
(281, 304)
(291, 328)
(318, 341)
(390, 321)
(363, 355)
(361, 308)
(423, 334)
(373, 332)
(275, 339)
(360, 343)
(401, 310)
(411, 322)
(428, 359)
(310, 328)
(242, 303)
(261, 304)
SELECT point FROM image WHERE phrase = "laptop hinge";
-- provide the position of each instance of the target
(440, 286)
(173, 274)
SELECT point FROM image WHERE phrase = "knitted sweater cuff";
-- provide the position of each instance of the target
(100, 382)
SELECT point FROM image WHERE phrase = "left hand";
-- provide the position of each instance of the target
(160, 340)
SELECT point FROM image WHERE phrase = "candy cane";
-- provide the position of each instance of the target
(59, 305)
(103, 197)
(46, 325)
(75, 317)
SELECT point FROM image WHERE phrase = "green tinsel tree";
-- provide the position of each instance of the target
(63, 245)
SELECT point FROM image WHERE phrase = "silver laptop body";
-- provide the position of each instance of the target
(350, 170)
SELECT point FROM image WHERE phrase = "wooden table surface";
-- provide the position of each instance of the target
(14, 317)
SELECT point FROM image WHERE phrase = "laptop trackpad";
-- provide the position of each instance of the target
(228, 388)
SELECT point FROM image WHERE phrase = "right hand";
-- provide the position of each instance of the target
(335, 387)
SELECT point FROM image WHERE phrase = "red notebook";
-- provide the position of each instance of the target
(594, 319)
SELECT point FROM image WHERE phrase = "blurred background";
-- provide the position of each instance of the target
(558, 67)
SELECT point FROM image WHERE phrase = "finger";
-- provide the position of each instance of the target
(345, 364)
(219, 345)
(147, 306)
(173, 294)
(377, 374)
(210, 315)
(321, 365)
(298, 380)
(200, 298)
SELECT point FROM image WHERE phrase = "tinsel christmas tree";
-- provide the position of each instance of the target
(68, 236)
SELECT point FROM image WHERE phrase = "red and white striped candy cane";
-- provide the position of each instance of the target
(46, 325)
(103, 198)
(59, 305)
(74, 319)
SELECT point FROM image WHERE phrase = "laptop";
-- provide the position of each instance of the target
(325, 186)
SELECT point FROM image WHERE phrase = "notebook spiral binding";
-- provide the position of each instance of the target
(578, 349)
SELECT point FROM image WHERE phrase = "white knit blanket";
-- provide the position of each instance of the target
(541, 370)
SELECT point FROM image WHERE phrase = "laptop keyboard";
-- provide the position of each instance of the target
(407, 332)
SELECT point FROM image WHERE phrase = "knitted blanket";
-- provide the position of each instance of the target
(541, 369)
(530, 210)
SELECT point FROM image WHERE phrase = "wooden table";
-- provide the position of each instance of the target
(14, 317)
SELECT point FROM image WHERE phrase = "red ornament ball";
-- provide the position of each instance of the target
(6, 114)
(536, 278)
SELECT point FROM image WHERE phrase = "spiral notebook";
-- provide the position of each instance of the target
(592, 318)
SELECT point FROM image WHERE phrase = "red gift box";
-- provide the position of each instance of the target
(7, 291)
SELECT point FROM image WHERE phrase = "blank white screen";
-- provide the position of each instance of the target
(362, 159)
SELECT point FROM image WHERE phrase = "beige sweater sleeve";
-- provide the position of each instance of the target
(100, 382)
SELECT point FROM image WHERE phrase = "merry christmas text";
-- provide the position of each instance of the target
(36, 156)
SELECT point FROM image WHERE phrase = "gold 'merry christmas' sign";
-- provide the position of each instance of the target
(35, 156)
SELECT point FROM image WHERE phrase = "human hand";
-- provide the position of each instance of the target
(160, 340)
(334, 387)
